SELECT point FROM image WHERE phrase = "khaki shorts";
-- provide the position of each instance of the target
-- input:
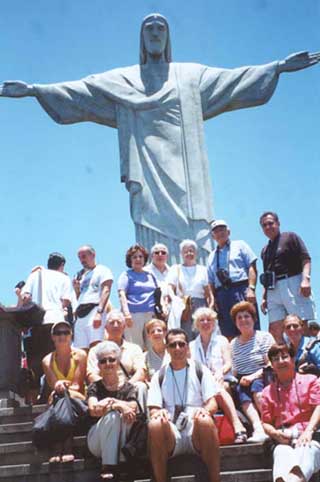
(285, 299)
(183, 440)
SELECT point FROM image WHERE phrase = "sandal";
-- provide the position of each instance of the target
(55, 459)
(108, 473)
(240, 437)
(66, 458)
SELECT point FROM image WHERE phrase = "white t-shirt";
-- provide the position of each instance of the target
(48, 288)
(91, 284)
(192, 279)
(161, 277)
(190, 393)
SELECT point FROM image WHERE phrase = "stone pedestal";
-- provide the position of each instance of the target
(10, 356)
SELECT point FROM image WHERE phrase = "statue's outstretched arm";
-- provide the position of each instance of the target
(16, 88)
(298, 61)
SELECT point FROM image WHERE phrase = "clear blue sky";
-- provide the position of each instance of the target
(60, 185)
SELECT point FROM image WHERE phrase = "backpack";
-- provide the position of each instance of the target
(304, 365)
(199, 372)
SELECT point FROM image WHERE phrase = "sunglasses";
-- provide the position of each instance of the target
(174, 344)
(62, 332)
(109, 359)
(295, 327)
(160, 252)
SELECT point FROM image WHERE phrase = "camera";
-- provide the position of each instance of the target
(182, 421)
(268, 280)
(224, 278)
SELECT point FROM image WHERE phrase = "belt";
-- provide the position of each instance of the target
(284, 276)
(233, 285)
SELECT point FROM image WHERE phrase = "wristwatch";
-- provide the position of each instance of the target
(252, 287)
(100, 310)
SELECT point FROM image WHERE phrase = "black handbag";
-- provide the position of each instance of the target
(59, 421)
(135, 447)
(41, 430)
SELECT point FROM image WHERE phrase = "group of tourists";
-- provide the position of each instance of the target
(184, 344)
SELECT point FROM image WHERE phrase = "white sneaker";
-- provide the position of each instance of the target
(258, 436)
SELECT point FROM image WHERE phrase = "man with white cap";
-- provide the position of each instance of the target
(232, 275)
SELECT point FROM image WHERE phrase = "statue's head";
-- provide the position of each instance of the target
(155, 38)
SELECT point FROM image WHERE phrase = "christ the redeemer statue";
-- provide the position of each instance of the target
(158, 108)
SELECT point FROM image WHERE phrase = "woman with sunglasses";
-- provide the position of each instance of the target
(307, 350)
(114, 405)
(136, 288)
(64, 369)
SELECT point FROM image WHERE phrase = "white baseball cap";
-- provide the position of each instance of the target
(218, 222)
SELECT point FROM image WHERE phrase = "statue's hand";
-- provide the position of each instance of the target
(15, 88)
(298, 61)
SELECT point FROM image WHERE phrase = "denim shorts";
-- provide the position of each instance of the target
(245, 394)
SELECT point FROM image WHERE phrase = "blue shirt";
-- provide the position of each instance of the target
(139, 288)
(235, 257)
(313, 355)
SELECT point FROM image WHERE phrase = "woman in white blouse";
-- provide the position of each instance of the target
(213, 350)
(190, 279)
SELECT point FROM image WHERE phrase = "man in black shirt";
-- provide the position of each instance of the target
(287, 268)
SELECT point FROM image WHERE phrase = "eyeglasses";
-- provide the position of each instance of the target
(174, 344)
(109, 359)
(62, 332)
(160, 252)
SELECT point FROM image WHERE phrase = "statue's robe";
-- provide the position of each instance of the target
(161, 136)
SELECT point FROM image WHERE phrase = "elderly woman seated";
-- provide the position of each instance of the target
(64, 368)
(132, 367)
(307, 349)
(114, 405)
(213, 350)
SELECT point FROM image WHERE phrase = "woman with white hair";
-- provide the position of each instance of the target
(189, 281)
(114, 406)
(213, 350)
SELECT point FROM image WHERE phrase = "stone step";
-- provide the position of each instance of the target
(20, 414)
(15, 432)
(82, 471)
(233, 457)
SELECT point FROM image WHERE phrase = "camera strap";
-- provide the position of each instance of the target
(182, 397)
(270, 254)
(228, 256)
